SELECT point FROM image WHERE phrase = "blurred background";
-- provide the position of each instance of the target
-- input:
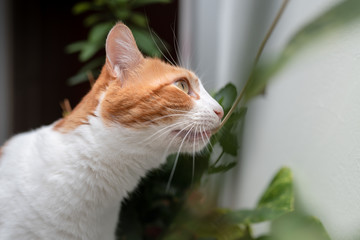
(308, 118)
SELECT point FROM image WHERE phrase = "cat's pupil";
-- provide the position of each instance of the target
(182, 85)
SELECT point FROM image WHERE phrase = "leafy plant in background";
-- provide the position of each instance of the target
(101, 17)
(186, 210)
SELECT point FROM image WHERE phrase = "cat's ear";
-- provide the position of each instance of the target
(122, 53)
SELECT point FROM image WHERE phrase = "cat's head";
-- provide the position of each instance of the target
(159, 104)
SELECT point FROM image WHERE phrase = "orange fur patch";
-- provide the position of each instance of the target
(146, 93)
(86, 107)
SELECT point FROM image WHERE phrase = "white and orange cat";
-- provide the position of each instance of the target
(66, 180)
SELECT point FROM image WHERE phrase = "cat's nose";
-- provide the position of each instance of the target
(219, 112)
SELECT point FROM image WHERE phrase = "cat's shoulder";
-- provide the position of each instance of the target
(22, 142)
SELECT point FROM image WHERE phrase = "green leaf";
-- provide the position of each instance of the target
(339, 16)
(277, 200)
(99, 32)
(229, 136)
(226, 96)
(279, 194)
(236, 117)
(94, 64)
(123, 13)
(88, 51)
(249, 216)
(264, 238)
(297, 226)
(81, 75)
(138, 19)
(221, 168)
(77, 78)
(75, 47)
(145, 42)
(229, 143)
(141, 3)
(93, 19)
(81, 7)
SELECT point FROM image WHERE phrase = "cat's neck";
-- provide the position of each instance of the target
(111, 159)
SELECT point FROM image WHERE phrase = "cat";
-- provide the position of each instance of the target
(66, 180)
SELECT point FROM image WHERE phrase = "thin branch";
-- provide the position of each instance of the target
(218, 159)
(257, 57)
(66, 107)
(91, 78)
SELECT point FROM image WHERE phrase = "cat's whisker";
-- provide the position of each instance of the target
(167, 50)
(203, 139)
(209, 142)
(176, 159)
(163, 130)
(193, 158)
(176, 135)
(177, 48)
(157, 46)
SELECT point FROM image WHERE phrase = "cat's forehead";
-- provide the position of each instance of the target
(155, 71)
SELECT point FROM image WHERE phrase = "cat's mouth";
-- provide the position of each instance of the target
(193, 135)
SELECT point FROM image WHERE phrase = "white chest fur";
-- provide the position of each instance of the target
(69, 186)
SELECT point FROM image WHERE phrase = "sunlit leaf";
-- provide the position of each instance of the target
(254, 216)
(338, 16)
(280, 193)
(277, 200)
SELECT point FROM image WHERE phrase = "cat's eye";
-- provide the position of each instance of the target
(183, 85)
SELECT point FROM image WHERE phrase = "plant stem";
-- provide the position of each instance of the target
(257, 57)
(218, 159)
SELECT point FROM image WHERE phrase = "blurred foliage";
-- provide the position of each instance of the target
(338, 16)
(101, 16)
(187, 211)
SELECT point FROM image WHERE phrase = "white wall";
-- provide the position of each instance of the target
(309, 118)
(5, 72)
